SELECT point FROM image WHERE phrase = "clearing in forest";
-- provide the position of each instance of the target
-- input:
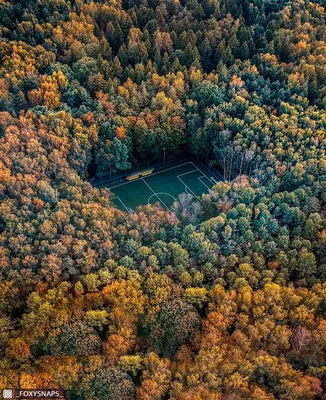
(161, 187)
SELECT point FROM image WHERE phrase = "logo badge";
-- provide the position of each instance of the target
(7, 394)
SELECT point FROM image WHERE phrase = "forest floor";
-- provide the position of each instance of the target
(162, 187)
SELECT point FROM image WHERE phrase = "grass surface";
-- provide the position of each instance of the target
(161, 187)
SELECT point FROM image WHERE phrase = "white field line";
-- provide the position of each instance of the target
(199, 170)
(117, 197)
(186, 189)
(155, 173)
(186, 186)
(160, 172)
(190, 172)
(156, 195)
(200, 179)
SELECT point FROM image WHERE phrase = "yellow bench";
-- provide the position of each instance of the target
(130, 178)
(146, 172)
(139, 174)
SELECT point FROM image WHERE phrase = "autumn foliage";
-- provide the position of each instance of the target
(223, 297)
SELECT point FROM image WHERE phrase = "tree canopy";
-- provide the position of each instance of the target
(224, 296)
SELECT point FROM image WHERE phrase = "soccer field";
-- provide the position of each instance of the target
(161, 187)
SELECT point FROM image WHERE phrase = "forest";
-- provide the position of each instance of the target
(222, 298)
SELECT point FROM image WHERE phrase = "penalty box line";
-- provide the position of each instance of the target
(186, 173)
(203, 173)
(200, 179)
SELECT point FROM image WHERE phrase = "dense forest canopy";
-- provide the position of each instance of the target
(222, 298)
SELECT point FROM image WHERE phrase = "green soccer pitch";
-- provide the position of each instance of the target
(161, 187)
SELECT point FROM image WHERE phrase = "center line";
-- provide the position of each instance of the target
(156, 195)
